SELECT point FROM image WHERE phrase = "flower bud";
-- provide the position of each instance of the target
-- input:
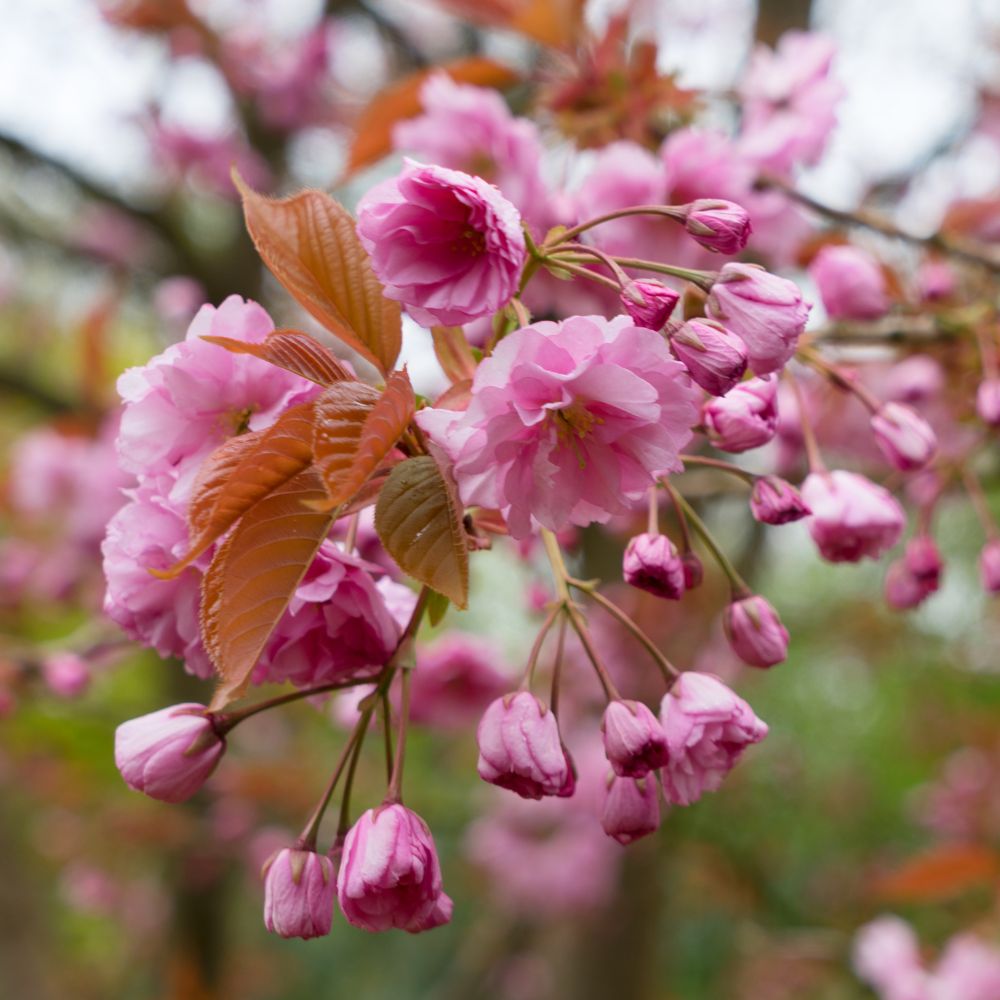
(774, 500)
(935, 280)
(520, 748)
(988, 401)
(989, 566)
(390, 875)
(905, 438)
(649, 303)
(715, 358)
(66, 674)
(168, 754)
(708, 729)
(755, 632)
(903, 590)
(694, 572)
(718, 225)
(298, 893)
(631, 808)
(634, 741)
(923, 560)
(744, 418)
(651, 563)
(851, 283)
(766, 312)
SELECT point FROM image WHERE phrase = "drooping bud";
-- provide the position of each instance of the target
(988, 401)
(649, 303)
(774, 500)
(694, 572)
(850, 282)
(904, 437)
(631, 808)
(923, 560)
(989, 566)
(718, 225)
(652, 563)
(634, 741)
(715, 358)
(744, 418)
(299, 886)
(66, 674)
(755, 632)
(902, 589)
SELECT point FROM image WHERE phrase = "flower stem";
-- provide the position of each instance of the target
(653, 522)
(674, 212)
(394, 793)
(840, 378)
(979, 503)
(387, 736)
(224, 721)
(307, 839)
(536, 648)
(580, 627)
(557, 667)
(815, 459)
(718, 463)
(559, 572)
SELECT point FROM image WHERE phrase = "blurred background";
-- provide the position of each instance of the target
(878, 790)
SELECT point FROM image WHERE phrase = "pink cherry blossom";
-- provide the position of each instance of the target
(631, 808)
(634, 740)
(718, 225)
(775, 501)
(745, 418)
(715, 358)
(299, 886)
(851, 283)
(569, 423)
(657, 303)
(755, 632)
(652, 563)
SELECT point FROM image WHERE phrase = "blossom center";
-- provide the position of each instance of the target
(470, 242)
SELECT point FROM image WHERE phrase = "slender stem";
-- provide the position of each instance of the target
(986, 341)
(737, 582)
(352, 533)
(703, 279)
(839, 377)
(681, 519)
(816, 463)
(580, 627)
(718, 463)
(387, 735)
(307, 839)
(669, 211)
(586, 272)
(523, 319)
(557, 666)
(669, 671)
(224, 721)
(653, 522)
(559, 572)
(344, 821)
(536, 648)
(608, 261)
(979, 503)
(394, 793)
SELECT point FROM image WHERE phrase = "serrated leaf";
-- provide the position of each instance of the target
(343, 473)
(419, 520)
(310, 245)
(341, 413)
(294, 351)
(243, 475)
(253, 576)
(453, 353)
(437, 608)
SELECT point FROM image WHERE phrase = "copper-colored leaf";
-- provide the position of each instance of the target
(453, 353)
(341, 413)
(294, 351)
(310, 244)
(345, 472)
(939, 874)
(419, 520)
(373, 129)
(242, 476)
(551, 22)
(253, 576)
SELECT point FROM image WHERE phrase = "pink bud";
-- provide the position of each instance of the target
(903, 590)
(66, 674)
(989, 566)
(923, 560)
(520, 748)
(390, 875)
(935, 280)
(774, 500)
(649, 303)
(168, 754)
(298, 894)
(852, 517)
(694, 572)
(634, 741)
(850, 282)
(715, 358)
(755, 632)
(720, 226)
(631, 808)
(651, 563)
(766, 312)
(708, 728)
(744, 418)
(905, 438)
(988, 401)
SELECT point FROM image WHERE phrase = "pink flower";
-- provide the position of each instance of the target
(850, 282)
(389, 874)
(887, 954)
(520, 748)
(703, 164)
(446, 244)
(765, 311)
(168, 754)
(634, 741)
(935, 280)
(569, 423)
(718, 225)
(773, 500)
(916, 379)
(708, 728)
(631, 808)
(656, 305)
(969, 969)
(923, 560)
(989, 566)
(755, 632)
(744, 418)
(694, 572)
(458, 675)
(988, 401)
(715, 358)
(188, 400)
(651, 563)
(852, 517)
(904, 590)
(298, 894)
(471, 129)
(66, 674)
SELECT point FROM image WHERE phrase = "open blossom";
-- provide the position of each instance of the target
(631, 808)
(766, 312)
(390, 875)
(755, 632)
(656, 305)
(168, 754)
(852, 517)
(775, 501)
(851, 283)
(745, 418)
(634, 741)
(446, 244)
(708, 728)
(652, 563)
(299, 886)
(718, 225)
(715, 358)
(471, 128)
(887, 955)
(569, 423)
(520, 748)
